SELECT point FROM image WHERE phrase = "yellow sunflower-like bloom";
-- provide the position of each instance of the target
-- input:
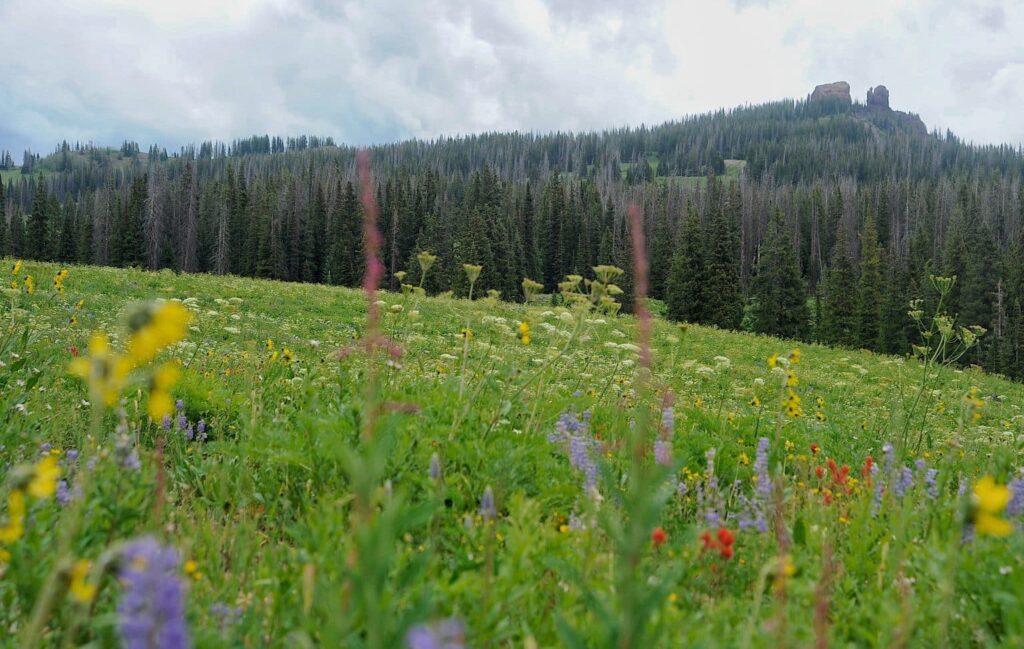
(160, 402)
(44, 477)
(988, 501)
(153, 331)
(81, 590)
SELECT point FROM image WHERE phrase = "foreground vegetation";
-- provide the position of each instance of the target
(257, 463)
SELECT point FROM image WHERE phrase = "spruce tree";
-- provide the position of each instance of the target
(780, 295)
(38, 243)
(723, 296)
(686, 284)
(839, 306)
(869, 294)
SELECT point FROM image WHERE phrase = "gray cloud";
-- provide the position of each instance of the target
(364, 72)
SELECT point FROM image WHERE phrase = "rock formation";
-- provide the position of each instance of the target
(878, 97)
(839, 90)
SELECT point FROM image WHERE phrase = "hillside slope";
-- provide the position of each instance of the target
(311, 505)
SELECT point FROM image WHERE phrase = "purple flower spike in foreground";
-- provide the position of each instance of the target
(152, 608)
(487, 509)
(446, 634)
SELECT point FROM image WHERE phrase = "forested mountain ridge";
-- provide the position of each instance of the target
(752, 214)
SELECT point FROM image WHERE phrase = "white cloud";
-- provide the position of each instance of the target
(175, 72)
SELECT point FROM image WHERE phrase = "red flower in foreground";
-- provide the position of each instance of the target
(814, 449)
(820, 472)
(722, 541)
(73, 350)
(658, 536)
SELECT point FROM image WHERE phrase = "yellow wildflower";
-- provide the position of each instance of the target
(15, 526)
(160, 403)
(16, 268)
(287, 356)
(755, 402)
(270, 345)
(152, 330)
(30, 285)
(44, 477)
(988, 502)
(104, 370)
(773, 360)
(794, 356)
(791, 379)
(744, 459)
(192, 570)
(81, 591)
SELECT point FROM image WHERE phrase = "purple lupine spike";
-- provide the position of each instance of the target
(190, 433)
(487, 509)
(435, 467)
(63, 493)
(151, 613)
(764, 481)
(166, 422)
(663, 452)
(904, 482)
(445, 634)
(179, 405)
(668, 419)
(931, 486)
(182, 422)
(1016, 505)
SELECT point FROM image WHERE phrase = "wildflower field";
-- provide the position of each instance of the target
(218, 462)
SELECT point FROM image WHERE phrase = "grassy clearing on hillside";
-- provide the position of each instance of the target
(476, 468)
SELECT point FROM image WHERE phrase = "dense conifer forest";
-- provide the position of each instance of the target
(815, 220)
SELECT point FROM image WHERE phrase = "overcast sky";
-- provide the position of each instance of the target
(179, 71)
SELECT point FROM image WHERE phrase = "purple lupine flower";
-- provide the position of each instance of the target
(201, 428)
(44, 449)
(226, 615)
(179, 405)
(1016, 505)
(190, 433)
(152, 608)
(904, 482)
(682, 488)
(435, 467)
(764, 480)
(71, 455)
(63, 493)
(446, 634)
(576, 523)
(668, 419)
(166, 422)
(132, 461)
(487, 509)
(931, 485)
(182, 422)
(580, 458)
(663, 452)
(876, 501)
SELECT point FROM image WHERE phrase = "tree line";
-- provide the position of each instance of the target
(827, 234)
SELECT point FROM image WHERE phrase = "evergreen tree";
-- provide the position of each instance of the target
(839, 306)
(780, 307)
(723, 295)
(869, 294)
(38, 242)
(686, 283)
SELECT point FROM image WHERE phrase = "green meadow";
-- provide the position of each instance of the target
(334, 477)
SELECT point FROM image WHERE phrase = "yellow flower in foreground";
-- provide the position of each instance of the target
(15, 526)
(160, 403)
(16, 268)
(30, 285)
(988, 501)
(104, 370)
(81, 591)
(773, 360)
(287, 356)
(794, 356)
(152, 330)
(44, 477)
